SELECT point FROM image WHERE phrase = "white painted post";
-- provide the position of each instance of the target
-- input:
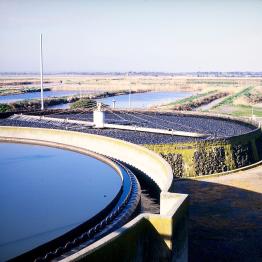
(129, 96)
(114, 104)
(41, 71)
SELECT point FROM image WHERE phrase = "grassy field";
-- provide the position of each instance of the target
(243, 103)
(246, 111)
(230, 99)
(136, 82)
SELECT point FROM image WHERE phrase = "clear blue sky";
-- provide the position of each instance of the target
(131, 35)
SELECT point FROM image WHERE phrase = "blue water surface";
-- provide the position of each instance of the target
(45, 192)
(138, 100)
(37, 95)
(144, 100)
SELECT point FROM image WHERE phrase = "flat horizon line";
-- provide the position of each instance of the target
(247, 72)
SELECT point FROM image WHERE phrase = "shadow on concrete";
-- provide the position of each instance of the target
(225, 223)
(141, 242)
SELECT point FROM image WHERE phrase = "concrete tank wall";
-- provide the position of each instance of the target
(212, 156)
(148, 237)
(153, 237)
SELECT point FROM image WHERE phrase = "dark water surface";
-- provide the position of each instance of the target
(45, 192)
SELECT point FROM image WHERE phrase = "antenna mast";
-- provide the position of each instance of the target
(41, 71)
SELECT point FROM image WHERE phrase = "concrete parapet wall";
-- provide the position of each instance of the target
(148, 237)
(145, 160)
(212, 156)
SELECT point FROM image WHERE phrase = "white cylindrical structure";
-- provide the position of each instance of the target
(114, 104)
(98, 118)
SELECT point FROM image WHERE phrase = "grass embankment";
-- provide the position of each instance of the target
(16, 91)
(248, 111)
(195, 101)
(185, 100)
(115, 93)
(230, 99)
(243, 103)
(89, 102)
(35, 104)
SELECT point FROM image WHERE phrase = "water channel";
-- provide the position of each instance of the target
(137, 100)
(37, 95)
(144, 100)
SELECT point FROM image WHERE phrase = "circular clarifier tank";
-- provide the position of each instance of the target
(45, 192)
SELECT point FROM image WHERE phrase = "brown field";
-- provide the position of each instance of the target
(116, 83)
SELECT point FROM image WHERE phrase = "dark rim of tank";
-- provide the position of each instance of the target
(116, 214)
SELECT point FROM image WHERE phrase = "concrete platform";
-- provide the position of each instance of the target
(225, 216)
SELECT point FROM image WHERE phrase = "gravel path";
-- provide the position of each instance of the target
(225, 217)
(210, 105)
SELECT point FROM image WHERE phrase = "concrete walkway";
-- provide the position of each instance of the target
(225, 216)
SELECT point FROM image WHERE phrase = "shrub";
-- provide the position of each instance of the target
(6, 108)
(83, 103)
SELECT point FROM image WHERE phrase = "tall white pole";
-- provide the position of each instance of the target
(129, 97)
(41, 71)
